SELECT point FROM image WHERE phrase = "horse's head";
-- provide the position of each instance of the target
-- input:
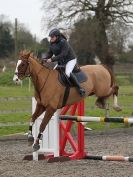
(22, 68)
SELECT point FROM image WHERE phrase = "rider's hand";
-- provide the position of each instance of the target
(43, 61)
(49, 60)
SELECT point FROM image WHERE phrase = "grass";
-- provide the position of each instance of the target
(15, 105)
(124, 80)
(6, 79)
(15, 117)
(7, 89)
(15, 91)
(13, 130)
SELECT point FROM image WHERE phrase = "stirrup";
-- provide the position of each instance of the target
(82, 92)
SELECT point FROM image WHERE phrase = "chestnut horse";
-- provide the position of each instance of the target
(49, 92)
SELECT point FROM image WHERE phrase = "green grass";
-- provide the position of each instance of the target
(13, 130)
(101, 126)
(6, 79)
(124, 80)
(15, 91)
(7, 89)
(15, 105)
(126, 89)
(15, 117)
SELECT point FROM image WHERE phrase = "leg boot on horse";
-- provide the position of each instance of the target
(39, 110)
(48, 114)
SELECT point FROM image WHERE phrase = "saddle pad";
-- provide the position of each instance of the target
(81, 77)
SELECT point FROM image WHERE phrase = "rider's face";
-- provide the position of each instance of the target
(53, 38)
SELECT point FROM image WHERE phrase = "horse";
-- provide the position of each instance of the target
(49, 91)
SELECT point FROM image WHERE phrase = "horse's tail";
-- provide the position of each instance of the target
(113, 81)
(115, 89)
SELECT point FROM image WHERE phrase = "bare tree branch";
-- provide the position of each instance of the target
(103, 12)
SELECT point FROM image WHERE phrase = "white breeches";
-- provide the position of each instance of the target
(70, 66)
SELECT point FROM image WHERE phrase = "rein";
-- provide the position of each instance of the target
(36, 79)
(43, 83)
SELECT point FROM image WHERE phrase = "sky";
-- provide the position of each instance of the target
(28, 12)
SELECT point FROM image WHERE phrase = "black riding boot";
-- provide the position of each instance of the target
(76, 83)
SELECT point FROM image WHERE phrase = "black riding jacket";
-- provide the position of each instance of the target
(61, 50)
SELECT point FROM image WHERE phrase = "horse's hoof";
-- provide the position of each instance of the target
(99, 105)
(117, 108)
(36, 147)
(30, 139)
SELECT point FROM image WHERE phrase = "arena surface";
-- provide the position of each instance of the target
(112, 142)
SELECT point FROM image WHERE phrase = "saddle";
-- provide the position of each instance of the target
(67, 82)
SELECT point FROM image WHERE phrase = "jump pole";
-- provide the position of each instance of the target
(62, 135)
(109, 158)
(100, 119)
(97, 119)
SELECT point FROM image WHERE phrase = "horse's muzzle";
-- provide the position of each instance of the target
(16, 80)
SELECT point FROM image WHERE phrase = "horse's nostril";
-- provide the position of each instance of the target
(16, 79)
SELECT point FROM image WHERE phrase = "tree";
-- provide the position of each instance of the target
(103, 12)
(42, 47)
(25, 38)
(118, 35)
(6, 38)
(82, 40)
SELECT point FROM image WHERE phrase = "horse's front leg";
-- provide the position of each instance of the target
(38, 111)
(48, 114)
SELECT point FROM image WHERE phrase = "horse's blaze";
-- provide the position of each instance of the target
(15, 77)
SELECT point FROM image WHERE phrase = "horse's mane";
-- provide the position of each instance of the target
(44, 64)
(29, 54)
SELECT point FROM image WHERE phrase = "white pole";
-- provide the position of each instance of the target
(50, 142)
(35, 154)
(56, 133)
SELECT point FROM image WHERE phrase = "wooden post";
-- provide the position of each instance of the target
(16, 39)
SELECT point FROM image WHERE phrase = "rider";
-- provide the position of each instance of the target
(64, 55)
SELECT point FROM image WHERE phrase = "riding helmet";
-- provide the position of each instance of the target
(54, 32)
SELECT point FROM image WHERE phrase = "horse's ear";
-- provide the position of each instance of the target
(31, 54)
(21, 52)
(28, 55)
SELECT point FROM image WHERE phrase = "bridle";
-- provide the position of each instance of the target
(25, 70)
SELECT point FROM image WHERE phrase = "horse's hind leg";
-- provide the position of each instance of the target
(38, 111)
(101, 102)
(116, 107)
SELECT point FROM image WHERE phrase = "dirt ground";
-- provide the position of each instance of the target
(112, 142)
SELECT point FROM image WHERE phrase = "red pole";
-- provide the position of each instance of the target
(65, 134)
(66, 131)
(81, 145)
